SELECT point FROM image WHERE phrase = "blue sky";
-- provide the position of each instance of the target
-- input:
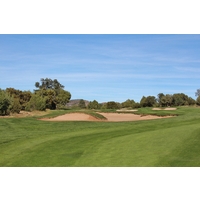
(103, 67)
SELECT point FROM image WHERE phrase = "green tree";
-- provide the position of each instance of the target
(63, 97)
(178, 100)
(22, 96)
(49, 96)
(15, 106)
(36, 102)
(166, 100)
(191, 101)
(93, 105)
(112, 105)
(5, 102)
(128, 104)
(150, 101)
(48, 83)
(53, 93)
(197, 93)
(181, 99)
(143, 102)
(160, 95)
(82, 104)
(198, 101)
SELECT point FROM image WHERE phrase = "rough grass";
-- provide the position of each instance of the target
(160, 142)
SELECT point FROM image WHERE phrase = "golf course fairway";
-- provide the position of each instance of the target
(165, 142)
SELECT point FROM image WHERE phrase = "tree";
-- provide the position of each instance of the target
(49, 96)
(178, 99)
(93, 105)
(160, 95)
(15, 106)
(36, 102)
(128, 104)
(22, 96)
(63, 97)
(148, 101)
(143, 102)
(191, 101)
(137, 105)
(48, 83)
(198, 101)
(82, 104)
(5, 102)
(53, 93)
(197, 93)
(166, 100)
(112, 105)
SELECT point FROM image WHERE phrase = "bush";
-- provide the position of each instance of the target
(82, 104)
(128, 104)
(5, 103)
(112, 105)
(15, 106)
(36, 103)
(137, 105)
(198, 101)
(93, 105)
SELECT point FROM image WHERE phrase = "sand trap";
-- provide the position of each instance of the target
(170, 108)
(72, 117)
(121, 110)
(112, 117)
(164, 109)
(116, 117)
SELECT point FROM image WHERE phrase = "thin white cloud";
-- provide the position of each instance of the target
(193, 70)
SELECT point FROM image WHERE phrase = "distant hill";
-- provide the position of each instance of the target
(75, 102)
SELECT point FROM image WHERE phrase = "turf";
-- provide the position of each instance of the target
(162, 142)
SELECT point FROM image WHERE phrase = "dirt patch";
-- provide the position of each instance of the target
(26, 114)
(112, 117)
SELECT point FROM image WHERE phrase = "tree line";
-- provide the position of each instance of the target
(162, 100)
(50, 94)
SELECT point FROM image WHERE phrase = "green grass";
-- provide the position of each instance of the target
(161, 142)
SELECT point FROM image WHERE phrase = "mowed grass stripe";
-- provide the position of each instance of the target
(154, 148)
(108, 150)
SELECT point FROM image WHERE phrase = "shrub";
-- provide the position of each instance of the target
(82, 104)
(15, 106)
(93, 105)
(112, 105)
(198, 101)
(5, 103)
(36, 103)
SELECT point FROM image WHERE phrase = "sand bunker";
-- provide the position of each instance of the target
(73, 117)
(164, 109)
(112, 117)
(123, 110)
(115, 117)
